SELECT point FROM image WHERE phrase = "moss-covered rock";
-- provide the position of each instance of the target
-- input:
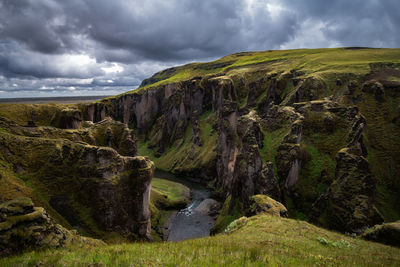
(67, 118)
(264, 204)
(388, 233)
(236, 225)
(92, 188)
(349, 204)
(23, 227)
(107, 132)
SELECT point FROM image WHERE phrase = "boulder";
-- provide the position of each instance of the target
(264, 204)
(236, 225)
(388, 233)
(207, 205)
(23, 227)
(376, 88)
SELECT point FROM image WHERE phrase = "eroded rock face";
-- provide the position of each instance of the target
(388, 233)
(107, 132)
(23, 226)
(67, 119)
(288, 156)
(263, 204)
(349, 203)
(241, 171)
(122, 204)
(228, 140)
(251, 175)
(250, 107)
(115, 188)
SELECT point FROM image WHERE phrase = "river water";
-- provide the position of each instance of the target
(189, 223)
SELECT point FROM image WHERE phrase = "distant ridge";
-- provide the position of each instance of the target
(59, 99)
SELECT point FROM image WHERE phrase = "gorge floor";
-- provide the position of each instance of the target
(188, 222)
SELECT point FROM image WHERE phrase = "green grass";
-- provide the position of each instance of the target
(264, 241)
(271, 142)
(394, 79)
(312, 62)
(41, 114)
(169, 195)
(382, 139)
(166, 196)
(231, 210)
(183, 154)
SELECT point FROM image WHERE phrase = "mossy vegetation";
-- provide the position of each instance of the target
(311, 62)
(169, 195)
(166, 197)
(271, 142)
(39, 114)
(264, 240)
(231, 210)
(183, 155)
(382, 139)
(42, 178)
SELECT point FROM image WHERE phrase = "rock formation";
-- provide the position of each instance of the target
(387, 233)
(164, 112)
(92, 187)
(67, 119)
(23, 227)
(350, 200)
(264, 204)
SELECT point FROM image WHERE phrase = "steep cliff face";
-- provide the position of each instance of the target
(92, 188)
(349, 202)
(246, 123)
(107, 133)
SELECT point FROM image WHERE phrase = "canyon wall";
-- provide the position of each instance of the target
(279, 134)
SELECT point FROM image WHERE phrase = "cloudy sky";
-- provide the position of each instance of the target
(105, 47)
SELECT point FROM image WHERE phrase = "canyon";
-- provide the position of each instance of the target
(317, 130)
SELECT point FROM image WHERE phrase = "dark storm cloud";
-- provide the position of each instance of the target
(374, 23)
(118, 43)
(128, 31)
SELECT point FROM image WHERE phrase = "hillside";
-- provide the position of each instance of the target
(265, 240)
(323, 63)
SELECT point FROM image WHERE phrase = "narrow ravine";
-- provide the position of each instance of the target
(189, 222)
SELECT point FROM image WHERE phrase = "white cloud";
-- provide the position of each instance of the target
(114, 68)
(310, 35)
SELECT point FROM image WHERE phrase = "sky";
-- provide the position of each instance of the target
(107, 47)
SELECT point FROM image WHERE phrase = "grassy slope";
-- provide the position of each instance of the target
(40, 113)
(315, 62)
(265, 240)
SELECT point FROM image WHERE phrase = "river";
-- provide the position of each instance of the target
(189, 223)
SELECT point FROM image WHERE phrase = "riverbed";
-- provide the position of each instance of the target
(189, 223)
